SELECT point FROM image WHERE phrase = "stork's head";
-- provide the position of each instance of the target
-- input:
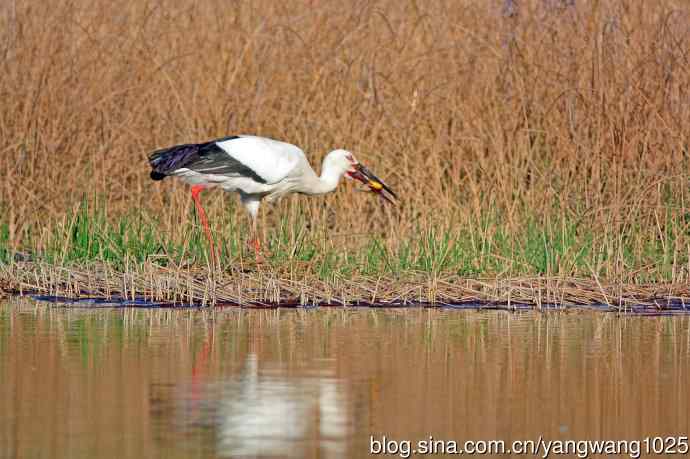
(354, 170)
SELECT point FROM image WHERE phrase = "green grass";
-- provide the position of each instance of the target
(5, 252)
(562, 247)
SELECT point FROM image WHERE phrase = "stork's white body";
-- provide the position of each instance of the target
(271, 159)
(283, 167)
(257, 168)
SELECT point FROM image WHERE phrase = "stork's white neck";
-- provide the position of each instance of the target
(327, 182)
(331, 173)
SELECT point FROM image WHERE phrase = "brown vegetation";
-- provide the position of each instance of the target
(283, 287)
(557, 112)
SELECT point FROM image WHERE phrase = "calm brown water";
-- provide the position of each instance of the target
(244, 383)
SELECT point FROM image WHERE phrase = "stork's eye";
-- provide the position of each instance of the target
(351, 159)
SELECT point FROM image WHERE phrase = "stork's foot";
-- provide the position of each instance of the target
(259, 252)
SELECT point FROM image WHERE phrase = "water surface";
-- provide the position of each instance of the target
(133, 383)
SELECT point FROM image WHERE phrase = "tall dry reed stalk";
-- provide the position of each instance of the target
(551, 110)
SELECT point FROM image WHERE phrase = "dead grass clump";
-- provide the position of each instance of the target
(271, 288)
(563, 110)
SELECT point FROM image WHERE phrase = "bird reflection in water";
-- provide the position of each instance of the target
(260, 412)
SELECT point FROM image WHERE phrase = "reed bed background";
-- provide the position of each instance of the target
(543, 138)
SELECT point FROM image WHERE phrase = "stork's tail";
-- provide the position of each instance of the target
(166, 161)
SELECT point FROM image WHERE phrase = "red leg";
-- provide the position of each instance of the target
(196, 190)
(255, 242)
(257, 250)
(255, 245)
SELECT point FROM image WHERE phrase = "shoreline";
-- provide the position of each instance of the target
(267, 287)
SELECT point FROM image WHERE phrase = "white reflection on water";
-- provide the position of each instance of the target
(268, 413)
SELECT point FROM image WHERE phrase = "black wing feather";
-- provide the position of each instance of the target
(205, 158)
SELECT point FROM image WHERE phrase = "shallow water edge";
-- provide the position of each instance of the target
(650, 308)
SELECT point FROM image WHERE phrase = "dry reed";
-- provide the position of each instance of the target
(269, 288)
(555, 111)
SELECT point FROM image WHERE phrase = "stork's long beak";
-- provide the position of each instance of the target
(375, 184)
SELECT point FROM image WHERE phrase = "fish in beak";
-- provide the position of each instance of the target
(375, 184)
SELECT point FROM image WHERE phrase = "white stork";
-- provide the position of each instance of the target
(257, 168)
